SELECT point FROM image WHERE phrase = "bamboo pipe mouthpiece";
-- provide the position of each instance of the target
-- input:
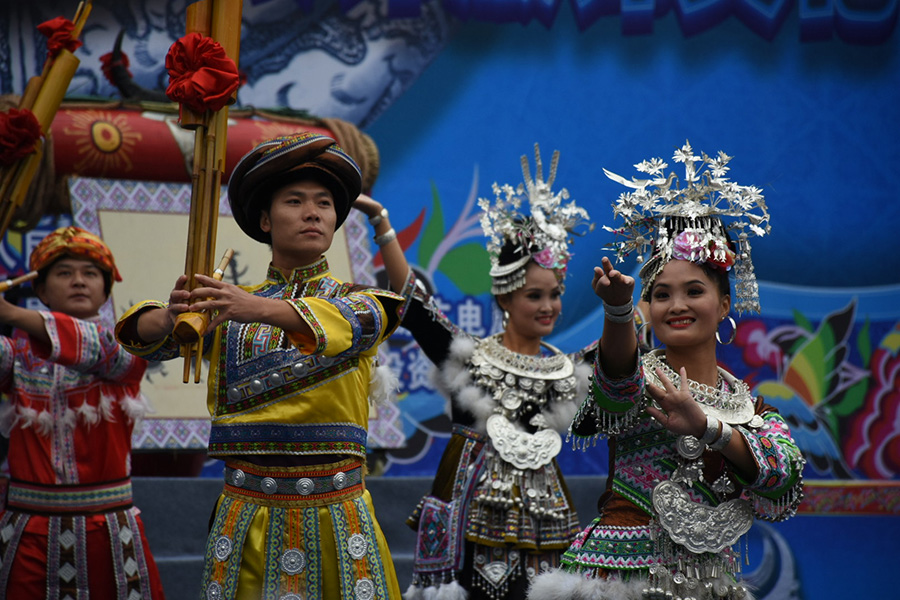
(190, 326)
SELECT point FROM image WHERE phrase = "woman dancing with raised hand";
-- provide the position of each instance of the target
(695, 457)
(499, 511)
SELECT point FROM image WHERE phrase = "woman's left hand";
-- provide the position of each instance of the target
(680, 413)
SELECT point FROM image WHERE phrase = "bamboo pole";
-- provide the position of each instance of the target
(7, 285)
(42, 96)
(220, 19)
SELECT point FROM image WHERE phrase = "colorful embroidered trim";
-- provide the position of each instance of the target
(225, 547)
(360, 564)
(279, 438)
(69, 499)
(12, 524)
(129, 562)
(611, 548)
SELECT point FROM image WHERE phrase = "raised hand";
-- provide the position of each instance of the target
(367, 205)
(680, 413)
(612, 286)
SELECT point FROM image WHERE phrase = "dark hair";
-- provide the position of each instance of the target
(513, 249)
(719, 277)
(41, 278)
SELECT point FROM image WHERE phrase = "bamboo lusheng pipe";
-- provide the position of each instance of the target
(43, 96)
(47, 99)
(45, 106)
(198, 19)
(15, 186)
(221, 20)
(227, 30)
(190, 329)
(7, 285)
(53, 88)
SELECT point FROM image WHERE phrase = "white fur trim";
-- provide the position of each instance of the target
(413, 592)
(88, 414)
(451, 591)
(478, 403)
(583, 372)
(26, 416)
(136, 408)
(462, 347)
(70, 419)
(43, 424)
(453, 375)
(429, 593)
(383, 386)
(106, 407)
(560, 585)
(559, 415)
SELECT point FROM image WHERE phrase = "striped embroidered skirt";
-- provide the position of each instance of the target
(70, 541)
(291, 533)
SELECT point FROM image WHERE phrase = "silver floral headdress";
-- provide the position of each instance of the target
(543, 235)
(691, 222)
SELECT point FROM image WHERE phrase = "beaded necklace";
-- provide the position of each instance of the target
(732, 402)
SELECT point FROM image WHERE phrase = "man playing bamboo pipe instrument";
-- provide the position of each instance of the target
(292, 368)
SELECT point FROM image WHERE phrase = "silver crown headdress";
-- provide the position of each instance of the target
(542, 235)
(691, 222)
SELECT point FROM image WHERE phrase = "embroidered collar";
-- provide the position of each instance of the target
(300, 274)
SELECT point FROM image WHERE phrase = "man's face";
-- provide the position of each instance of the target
(74, 286)
(301, 220)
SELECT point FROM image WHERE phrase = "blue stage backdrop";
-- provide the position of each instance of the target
(805, 96)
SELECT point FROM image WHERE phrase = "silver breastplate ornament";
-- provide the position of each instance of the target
(521, 386)
(522, 446)
(708, 533)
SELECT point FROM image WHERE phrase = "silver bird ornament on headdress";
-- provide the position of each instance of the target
(692, 222)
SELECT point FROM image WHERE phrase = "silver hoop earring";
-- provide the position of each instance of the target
(733, 331)
(505, 320)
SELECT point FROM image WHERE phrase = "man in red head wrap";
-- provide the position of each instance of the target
(73, 399)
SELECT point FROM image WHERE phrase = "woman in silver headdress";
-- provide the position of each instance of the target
(499, 511)
(695, 456)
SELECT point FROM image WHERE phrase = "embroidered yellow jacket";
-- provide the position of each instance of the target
(275, 392)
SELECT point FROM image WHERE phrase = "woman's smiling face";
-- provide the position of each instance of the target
(686, 306)
(534, 308)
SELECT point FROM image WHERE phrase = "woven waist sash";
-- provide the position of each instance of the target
(69, 499)
(297, 487)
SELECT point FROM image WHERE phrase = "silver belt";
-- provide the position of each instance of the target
(292, 486)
